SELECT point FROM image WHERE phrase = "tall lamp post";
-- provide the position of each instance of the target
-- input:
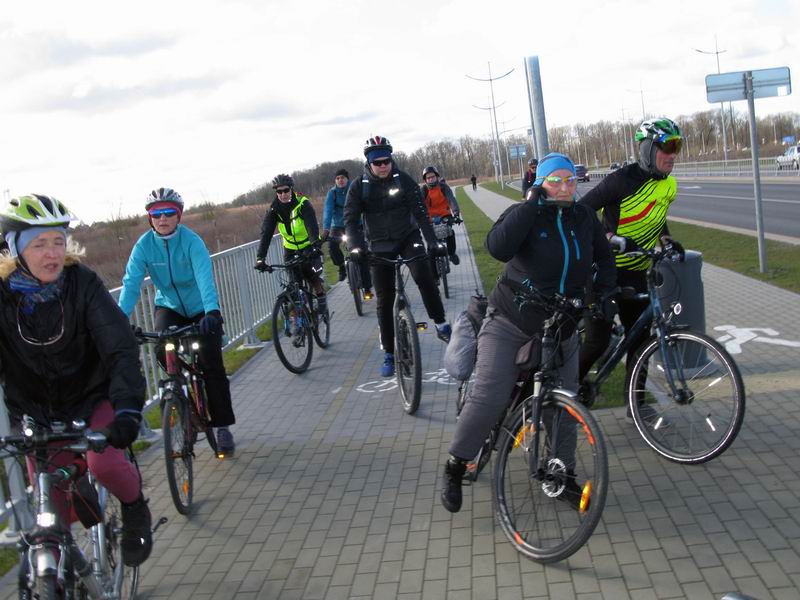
(717, 52)
(495, 143)
(491, 81)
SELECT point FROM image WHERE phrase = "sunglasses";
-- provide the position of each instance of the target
(381, 162)
(162, 212)
(559, 180)
(671, 145)
(283, 191)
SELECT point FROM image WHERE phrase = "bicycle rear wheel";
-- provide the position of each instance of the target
(177, 431)
(354, 281)
(550, 478)
(201, 414)
(123, 580)
(291, 333)
(703, 417)
(407, 360)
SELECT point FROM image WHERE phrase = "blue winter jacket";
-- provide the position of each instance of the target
(333, 212)
(180, 268)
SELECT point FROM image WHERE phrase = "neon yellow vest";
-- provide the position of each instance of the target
(642, 216)
(295, 236)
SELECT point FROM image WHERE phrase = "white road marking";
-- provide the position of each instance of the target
(735, 337)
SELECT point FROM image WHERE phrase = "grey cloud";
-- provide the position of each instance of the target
(343, 120)
(67, 51)
(256, 111)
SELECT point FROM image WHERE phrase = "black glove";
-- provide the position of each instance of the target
(457, 217)
(211, 323)
(671, 245)
(325, 235)
(262, 266)
(122, 431)
(439, 249)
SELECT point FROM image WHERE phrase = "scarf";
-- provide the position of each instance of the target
(34, 291)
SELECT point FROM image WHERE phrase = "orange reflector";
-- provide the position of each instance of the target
(578, 418)
(186, 488)
(368, 296)
(518, 538)
(422, 326)
(586, 496)
(529, 428)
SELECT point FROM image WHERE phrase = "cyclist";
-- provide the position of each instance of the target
(390, 202)
(441, 203)
(529, 177)
(333, 228)
(635, 200)
(550, 241)
(178, 262)
(68, 353)
(297, 223)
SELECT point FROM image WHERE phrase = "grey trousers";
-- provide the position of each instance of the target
(499, 340)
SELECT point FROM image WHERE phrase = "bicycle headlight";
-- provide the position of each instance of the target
(45, 519)
(169, 347)
(195, 345)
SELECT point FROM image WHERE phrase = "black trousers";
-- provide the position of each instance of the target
(218, 387)
(598, 331)
(383, 278)
(334, 248)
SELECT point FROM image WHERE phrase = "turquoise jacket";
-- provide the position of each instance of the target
(180, 268)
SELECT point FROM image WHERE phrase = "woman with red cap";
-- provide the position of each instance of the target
(178, 262)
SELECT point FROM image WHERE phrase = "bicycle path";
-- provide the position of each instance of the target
(334, 489)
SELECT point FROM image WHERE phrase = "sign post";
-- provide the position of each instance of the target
(749, 85)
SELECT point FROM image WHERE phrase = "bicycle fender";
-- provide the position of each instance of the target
(45, 562)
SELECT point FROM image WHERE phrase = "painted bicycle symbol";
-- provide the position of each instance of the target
(387, 385)
(736, 336)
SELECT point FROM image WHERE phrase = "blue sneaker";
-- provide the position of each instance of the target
(443, 332)
(387, 368)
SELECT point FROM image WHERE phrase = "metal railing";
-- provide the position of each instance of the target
(768, 167)
(246, 301)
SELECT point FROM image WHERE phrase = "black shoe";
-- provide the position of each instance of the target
(225, 444)
(572, 494)
(137, 537)
(454, 470)
(454, 259)
(342, 273)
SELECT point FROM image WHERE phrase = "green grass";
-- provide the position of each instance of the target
(739, 253)
(508, 192)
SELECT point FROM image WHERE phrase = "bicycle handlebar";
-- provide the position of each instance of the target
(393, 261)
(551, 304)
(172, 332)
(32, 439)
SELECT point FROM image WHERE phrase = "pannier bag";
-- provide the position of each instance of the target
(459, 358)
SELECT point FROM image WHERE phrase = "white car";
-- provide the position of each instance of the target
(790, 159)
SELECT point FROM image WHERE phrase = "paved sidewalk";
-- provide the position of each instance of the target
(334, 490)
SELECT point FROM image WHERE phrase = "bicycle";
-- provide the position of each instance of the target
(442, 227)
(184, 408)
(545, 442)
(690, 384)
(354, 282)
(296, 318)
(407, 358)
(54, 562)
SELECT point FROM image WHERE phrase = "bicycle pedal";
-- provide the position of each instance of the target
(422, 326)
(158, 524)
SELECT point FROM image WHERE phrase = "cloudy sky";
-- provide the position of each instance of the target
(102, 101)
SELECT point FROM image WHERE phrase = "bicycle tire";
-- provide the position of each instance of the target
(407, 361)
(124, 580)
(176, 428)
(200, 412)
(442, 267)
(354, 281)
(293, 345)
(703, 422)
(322, 328)
(46, 587)
(463, 389)
(542, 509)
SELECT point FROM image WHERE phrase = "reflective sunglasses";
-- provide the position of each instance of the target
(382, 162)
(283, 191)
(671, 145)
(162, 212)
(559, 180)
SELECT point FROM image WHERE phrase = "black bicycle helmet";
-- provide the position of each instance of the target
(429, 169)
(377, 143)
(163, 194)
(282, 179)
(533, 162)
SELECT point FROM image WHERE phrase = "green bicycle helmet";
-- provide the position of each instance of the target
(34, 210)
(651, 135)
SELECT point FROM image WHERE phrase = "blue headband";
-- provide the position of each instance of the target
(378, 154)
(19, 240)
(553, 162)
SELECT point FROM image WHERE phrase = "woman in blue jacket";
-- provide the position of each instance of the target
(178, 262)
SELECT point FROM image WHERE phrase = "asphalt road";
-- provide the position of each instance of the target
(733, 204)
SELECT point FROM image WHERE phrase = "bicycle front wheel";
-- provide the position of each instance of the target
(177, 431)
(697, 416)
(550, 478)
(441, 263)
(354, 281)
(407, 360)
(322, 328)
(123, 580)
(291, 333)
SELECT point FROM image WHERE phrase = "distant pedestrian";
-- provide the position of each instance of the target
(474, 181)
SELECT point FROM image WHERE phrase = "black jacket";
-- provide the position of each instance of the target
(96, 359)
(392, 206)
(552, 247)
(280, 211)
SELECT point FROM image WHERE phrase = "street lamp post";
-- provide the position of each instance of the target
(717, 52)
(491, 81)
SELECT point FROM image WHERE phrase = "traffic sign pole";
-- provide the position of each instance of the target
(751, 110)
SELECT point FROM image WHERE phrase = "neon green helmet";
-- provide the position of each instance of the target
(34, 210)
(659, 130)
